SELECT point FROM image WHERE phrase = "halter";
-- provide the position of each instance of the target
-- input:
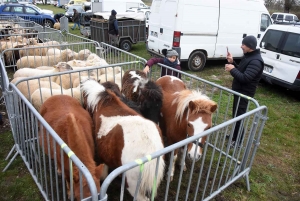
(200, 144)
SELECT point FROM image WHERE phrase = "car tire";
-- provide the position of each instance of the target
(125, 45)
(197, 61)
(48, 23)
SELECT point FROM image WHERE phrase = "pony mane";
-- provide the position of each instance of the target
(151, 90)
(92, 91)
(183, 99)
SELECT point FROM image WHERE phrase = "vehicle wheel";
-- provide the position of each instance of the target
(48, 23)
(197, 61)
(125, 45)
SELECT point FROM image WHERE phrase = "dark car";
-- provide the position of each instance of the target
(27, 12)
(70, 12)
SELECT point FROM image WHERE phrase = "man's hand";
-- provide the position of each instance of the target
(146, 69)
(229, 67)
(229, 57)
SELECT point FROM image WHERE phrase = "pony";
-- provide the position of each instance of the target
(136, 87)
(74, 125)
(115, 88)
(122, 136)
(184, 113)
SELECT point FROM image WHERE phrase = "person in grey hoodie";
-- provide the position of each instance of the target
(113, 29)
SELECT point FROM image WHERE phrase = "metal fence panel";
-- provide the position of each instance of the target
(219, 166)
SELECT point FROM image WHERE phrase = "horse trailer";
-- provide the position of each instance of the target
(219, 166)
(132, 29)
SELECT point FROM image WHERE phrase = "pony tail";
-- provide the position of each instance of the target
(150, 182)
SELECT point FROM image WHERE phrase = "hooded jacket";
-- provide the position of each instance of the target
(248, 73)
(112, 29)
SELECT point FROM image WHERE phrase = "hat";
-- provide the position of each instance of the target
(250, 41)
(113, 12)
(169, 53)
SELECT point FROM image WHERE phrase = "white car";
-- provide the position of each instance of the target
(280, 50)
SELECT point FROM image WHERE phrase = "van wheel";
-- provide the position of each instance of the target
(197, 61)
(125, 45)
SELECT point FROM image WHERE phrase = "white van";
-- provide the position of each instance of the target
(199, 30)
(280, 50)
(284, 18)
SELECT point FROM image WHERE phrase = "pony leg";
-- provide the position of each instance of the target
(184, 165)
(173, 167)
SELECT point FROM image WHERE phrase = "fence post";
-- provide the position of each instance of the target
(64, 24)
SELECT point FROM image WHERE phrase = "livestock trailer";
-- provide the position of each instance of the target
(219, 166)
(132, 29)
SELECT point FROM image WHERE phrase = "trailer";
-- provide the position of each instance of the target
(132, 29)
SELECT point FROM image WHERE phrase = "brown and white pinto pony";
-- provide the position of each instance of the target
(146, 93)
(122, 136)
(74, 126)
(184, 113)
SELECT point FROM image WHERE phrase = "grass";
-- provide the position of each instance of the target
(275, 173)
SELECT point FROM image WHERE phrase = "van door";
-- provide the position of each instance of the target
(288, 63)
(167, 25)
(270, 52)
(161, 25)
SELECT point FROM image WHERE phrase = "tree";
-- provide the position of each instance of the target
(288, 4)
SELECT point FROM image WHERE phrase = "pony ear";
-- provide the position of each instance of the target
(213, 107)
(192, 106)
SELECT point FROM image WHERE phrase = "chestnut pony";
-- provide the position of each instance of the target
(122, 136)
(74, 125)
(184, 113)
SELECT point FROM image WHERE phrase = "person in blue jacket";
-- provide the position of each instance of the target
(113, 29)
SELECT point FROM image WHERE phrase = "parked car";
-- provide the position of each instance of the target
(284, 18)
(69, 13)
(74, 2)
(280, 50)
(28, 12)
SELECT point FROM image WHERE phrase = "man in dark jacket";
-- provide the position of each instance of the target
(76, 19)
(58, 16)
(246, 77)
(113, 29)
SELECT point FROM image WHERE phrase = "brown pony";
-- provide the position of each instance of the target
(74, 125)
(184, 113)
(122, 136)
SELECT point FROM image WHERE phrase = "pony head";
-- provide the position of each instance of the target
(197, 109)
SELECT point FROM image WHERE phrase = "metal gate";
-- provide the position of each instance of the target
(219, 166)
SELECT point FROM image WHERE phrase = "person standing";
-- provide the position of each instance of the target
(76, 19)
(170, 59)
(246, 77)
(113, 29)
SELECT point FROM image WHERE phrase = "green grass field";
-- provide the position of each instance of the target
(275, 174)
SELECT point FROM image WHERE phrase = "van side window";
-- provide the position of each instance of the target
(274, 16)
(292, 45)
(265, 22)
(280, 17)
(271, 40)
(288, 18)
